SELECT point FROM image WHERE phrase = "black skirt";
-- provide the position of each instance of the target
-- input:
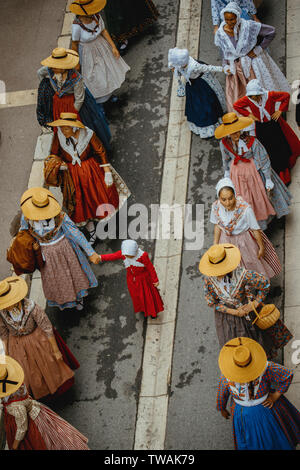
(273, 139)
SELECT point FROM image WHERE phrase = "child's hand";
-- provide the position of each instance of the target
(156, 284)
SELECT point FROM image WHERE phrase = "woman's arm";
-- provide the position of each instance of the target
(108, 38)
(79, 94)
(259, 241)
(217, 234)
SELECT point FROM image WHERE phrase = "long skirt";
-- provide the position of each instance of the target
(248, 184)
(44, 374)
(249, 249)
(101, 71)
(280, 197)
(260, 428)
(145, 296)
(264, 69)
(48, 431)
(128, 18)
(90, 113)
(230, 326)
(203, 108)
(64, 281)
(273, 139)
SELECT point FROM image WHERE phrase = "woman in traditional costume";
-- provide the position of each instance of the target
(247, 6)
(102, 68)
(78, 164)
(28, 424)
(262, 417)
(30, 339)
(142, 280)
(66, 274)
(235, 223)
(243, 58)
(61, 89)
(279, 140)
(234, 292)
(247, 163)
(129, 18)
(205, 99)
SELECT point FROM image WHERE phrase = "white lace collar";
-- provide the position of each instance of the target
(84, 138)
(133, 261)
(186, 72)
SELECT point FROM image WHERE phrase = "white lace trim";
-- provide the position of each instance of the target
(133, 261)
(83, 141)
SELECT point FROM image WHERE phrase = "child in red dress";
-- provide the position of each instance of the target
(142, 280)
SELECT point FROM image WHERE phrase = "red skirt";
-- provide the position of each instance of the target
(91, 191)
(292, 140)
(33, 439)
(145, 297)
(65, 104)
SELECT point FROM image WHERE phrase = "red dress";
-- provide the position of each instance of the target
(269, 138)
(140, 279)
(88, 179)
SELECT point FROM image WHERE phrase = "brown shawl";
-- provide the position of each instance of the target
(54, 177)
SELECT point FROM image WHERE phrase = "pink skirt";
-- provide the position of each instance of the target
(249, 249)
(236, 86)
(249, 185)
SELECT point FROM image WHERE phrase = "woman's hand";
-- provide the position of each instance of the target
(275, 116)
(261, 252)
(225, 414)
(95, 258)
(156, 284)
(58, 355)
(253, 117)
(115, 52)
(216, 27)
(252, 54)
(272, 398)
(15, 445)
(63, 167)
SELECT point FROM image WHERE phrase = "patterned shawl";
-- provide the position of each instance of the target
(238, 212)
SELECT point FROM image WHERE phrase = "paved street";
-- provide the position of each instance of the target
(106, 337)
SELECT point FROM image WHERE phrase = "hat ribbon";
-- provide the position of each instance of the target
(226, 248)
(237, 346)
(232, 122)
(9, 287)
(61, 57)
(5, 381)
(86, 3)
(27, 199)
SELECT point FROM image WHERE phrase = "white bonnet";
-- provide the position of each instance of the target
(254, 88)
(178, 57)
(232, 7)
(224, 182)
(129, 247)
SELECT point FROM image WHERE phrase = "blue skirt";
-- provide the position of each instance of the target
(92, 116)
(256, 428)
(202, 106)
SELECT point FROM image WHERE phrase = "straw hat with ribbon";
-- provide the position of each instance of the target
(13, 289)
(242, 360)
(87, 7)
(231, 124)
(67, 119)
(220, 259)
(11, 376)
(62, 58)
(39, 204)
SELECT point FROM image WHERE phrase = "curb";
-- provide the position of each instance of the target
(158, 350)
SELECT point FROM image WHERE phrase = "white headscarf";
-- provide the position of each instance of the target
(233, 7)
(254, 88)
(179, 59)
(131, 248)
(224, 182)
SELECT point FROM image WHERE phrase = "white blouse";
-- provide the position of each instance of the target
(81, 35)
(246, 222)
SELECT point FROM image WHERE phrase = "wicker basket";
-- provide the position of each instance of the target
(266, 318)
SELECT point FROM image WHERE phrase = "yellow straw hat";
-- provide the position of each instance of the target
(242, 360)
(220, 260)
(62, 58)
(11, 376)
(39, 204)
(67, 119)
(231, 124)
(87, 7)
(13, 289)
